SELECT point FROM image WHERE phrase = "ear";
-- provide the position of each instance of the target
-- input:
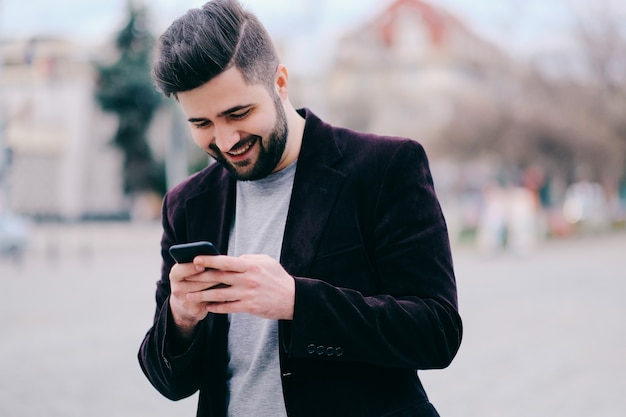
(282, 81)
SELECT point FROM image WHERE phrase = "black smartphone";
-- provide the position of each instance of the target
(185, 252)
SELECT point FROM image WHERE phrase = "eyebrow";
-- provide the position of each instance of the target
(222, 114)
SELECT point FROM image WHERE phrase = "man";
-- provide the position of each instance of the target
(337, 269)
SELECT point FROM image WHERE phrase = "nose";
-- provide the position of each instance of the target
(226, 136)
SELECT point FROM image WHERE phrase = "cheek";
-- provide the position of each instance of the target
(261, 125)
(201, 138)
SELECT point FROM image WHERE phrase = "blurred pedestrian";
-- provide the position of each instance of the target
(337, 274)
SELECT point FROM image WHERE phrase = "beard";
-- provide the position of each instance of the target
(269, 154)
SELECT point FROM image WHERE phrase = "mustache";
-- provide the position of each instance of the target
(242, 143)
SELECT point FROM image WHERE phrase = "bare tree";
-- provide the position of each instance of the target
(571, 119)
(600, 31)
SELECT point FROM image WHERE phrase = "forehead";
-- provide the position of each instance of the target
(225, 91)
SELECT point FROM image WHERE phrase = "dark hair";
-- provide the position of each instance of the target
(207, 41)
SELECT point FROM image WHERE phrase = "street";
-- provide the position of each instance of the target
(545, 334)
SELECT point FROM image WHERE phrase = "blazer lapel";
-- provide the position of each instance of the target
(316, 186)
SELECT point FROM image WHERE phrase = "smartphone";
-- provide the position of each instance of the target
(185, 252)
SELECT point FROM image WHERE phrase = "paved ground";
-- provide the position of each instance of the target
(545, 335)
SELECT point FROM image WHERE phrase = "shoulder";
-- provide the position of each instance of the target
(202, 182)
(358, 146)
(368, 141)
(378, 152)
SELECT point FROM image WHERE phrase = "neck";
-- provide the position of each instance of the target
(296, 123)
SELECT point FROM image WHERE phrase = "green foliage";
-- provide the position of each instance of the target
(125, 89)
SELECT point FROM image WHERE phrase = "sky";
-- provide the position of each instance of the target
(518, 24)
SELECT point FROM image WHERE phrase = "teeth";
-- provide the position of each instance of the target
(242, 150)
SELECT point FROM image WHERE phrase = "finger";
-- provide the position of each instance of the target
(221, 263)
(180, 272)
(214, 294)
(210, 278)
(190, 287)
(224, 307)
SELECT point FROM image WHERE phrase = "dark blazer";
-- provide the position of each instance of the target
(367, 245)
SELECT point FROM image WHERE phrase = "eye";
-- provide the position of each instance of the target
(202, 124)
(242, 115)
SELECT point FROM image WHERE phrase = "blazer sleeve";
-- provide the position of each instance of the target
(176, 375)
(397, 304)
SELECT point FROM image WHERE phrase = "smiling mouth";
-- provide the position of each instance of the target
(241, 148)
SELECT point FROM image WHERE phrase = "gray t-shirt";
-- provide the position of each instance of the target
(254, 383)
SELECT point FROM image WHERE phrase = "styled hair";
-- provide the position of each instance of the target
(209, 40)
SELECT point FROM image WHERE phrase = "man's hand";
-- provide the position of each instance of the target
(255, 284)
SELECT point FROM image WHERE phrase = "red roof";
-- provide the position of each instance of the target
(436, 20)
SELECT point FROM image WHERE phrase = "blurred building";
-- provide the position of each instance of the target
(407, 70)
(61, 166)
